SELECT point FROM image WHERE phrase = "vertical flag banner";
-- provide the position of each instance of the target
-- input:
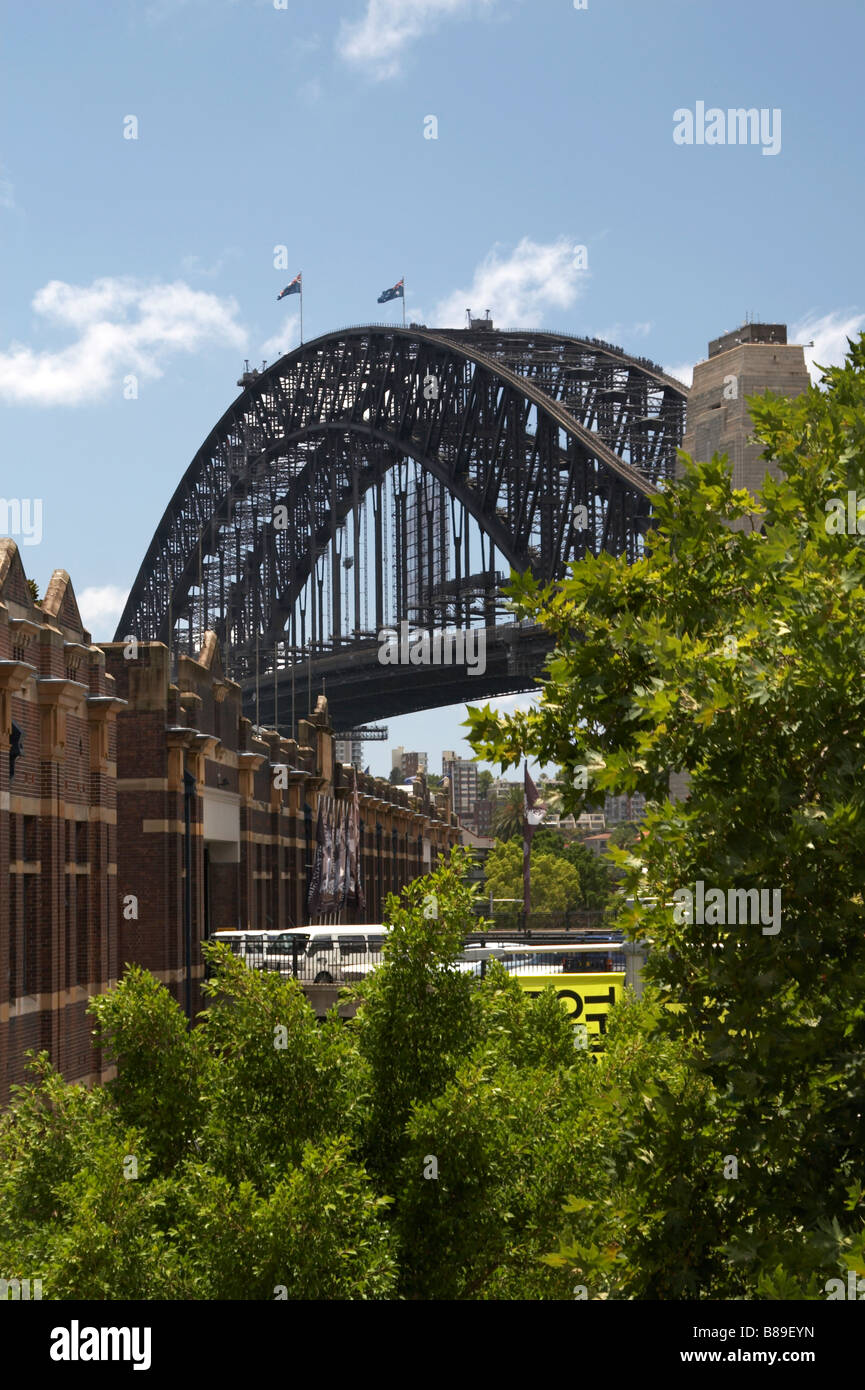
(330, 838)
(533, 815)
(340, 874)
(313, 901)
(296, 287)
(355, 887)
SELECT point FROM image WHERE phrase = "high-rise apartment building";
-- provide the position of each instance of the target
(618, 809)
(463, 774)
(408, 763)
(349, 752)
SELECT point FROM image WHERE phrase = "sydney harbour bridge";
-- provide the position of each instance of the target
(380, 476)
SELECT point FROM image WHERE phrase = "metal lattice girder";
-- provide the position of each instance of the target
(514, 432)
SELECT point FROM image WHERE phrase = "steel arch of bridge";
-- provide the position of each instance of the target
(516, 430)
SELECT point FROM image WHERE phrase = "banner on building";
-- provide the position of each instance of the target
(336, 879)
(356, 894)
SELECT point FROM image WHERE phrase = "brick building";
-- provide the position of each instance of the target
(115, 772)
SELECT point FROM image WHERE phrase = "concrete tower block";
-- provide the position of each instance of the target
(746, 362)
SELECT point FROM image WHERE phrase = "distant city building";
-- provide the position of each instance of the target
(501, 786)
(618, 809)
(349, 752)
(463, 774)
(597, 843)
(591, 822)
(484, 812)
(408, 763)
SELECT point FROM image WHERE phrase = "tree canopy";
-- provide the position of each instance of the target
(733, 651)
(555, 882)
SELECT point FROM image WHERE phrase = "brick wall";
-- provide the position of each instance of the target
(93, 836)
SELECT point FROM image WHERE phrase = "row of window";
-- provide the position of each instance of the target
(26, 933)
(24, 840)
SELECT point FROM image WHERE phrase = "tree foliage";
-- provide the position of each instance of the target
(555, 881)
(734, 651)
(418, 1151)
(509, 815)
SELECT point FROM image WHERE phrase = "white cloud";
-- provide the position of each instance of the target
(194, 265)
(684, 372)
(123, 327)
(622, 333)
(283, 341)
(520, 287)
(507, 704)
(100, 607)
(379, 38)
(829, 334)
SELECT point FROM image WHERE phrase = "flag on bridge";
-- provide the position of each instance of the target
(296, 287)
(396, 291)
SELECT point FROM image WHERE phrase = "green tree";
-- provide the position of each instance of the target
(418, 1012)
(555, 882)
(159, 1065)
(734, 651)
(624, 835)
(509, 814)
(597, 878)
(424, 1150)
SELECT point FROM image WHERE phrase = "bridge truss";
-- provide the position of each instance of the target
(381, 474)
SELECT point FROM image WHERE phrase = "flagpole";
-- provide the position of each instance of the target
(527, 850)
(301, 310)
(403, 301)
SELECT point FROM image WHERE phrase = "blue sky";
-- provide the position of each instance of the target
(261, 124)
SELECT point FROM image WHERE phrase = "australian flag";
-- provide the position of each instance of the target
(396, 291)
(293, 288)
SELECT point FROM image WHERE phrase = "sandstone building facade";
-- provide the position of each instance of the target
(745, 362)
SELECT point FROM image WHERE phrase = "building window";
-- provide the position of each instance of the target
(15, 748)
(30, 851)
(14, 915)
(69, 922)
(29, 930)
(82, 932)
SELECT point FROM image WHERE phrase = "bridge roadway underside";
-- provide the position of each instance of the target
(361, 690)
